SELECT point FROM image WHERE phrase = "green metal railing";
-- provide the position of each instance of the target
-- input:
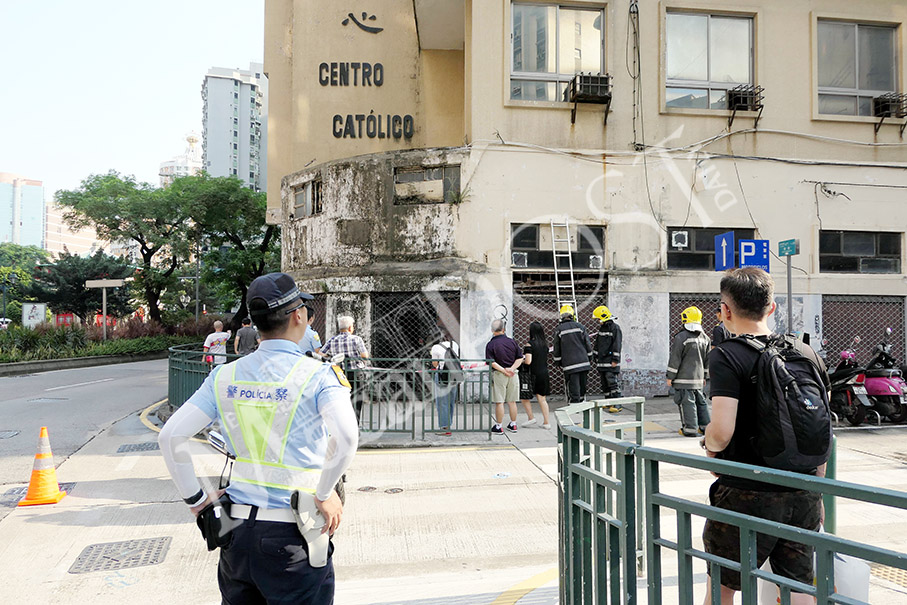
(399, 395)
(396, 395)
(601, 509)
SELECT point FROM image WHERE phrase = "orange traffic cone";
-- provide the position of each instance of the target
(43, 487)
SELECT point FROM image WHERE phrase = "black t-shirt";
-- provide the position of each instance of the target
(719, 334)
(731, 368)
(539, 365)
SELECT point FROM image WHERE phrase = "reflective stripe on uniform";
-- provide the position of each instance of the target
(278, 476)
(585, 364)
(570, 331)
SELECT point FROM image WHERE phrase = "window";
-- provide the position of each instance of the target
(549, 45)
(856, 63)
(524, 237)
(705, 56)
(591, 238)
(235, 133)
(235, 95)
(859, 252)
(235, 146)
(435, 185)
(308, 198)
(235, 121)
(693, 248)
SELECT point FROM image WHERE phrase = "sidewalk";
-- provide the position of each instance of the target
(442, 525)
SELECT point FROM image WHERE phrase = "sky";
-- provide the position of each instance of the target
(90, 86)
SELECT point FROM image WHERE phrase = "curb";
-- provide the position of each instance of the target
(47, 365)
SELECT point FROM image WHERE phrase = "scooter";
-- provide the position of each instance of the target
(885, 384)
(849, 398)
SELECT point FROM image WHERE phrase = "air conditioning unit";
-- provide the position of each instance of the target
(589, 88)
(890, 105)
(595, 261)
(680, 239)
(745, 98)
(519, 259)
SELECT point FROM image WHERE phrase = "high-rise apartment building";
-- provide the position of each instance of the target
(189, 163)
(235, 124)
(59, 237)
(21, 210)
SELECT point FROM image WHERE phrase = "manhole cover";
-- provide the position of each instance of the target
(393, 490)
(367, 488)
(139, 447)
(121, 555)
(12, 496)
(48, 399)
(8, 434)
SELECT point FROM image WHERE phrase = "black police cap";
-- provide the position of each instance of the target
(274, 292)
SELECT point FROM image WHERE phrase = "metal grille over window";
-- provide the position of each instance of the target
(407, 324)
(859, 252)
(707, 303)
(435, 185)
(319, 304)
(867, 317)
(309, 199)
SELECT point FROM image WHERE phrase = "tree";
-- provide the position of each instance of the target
(230, 218)
(21, 257)
(62, 285)
(21, 261)
(124, 211)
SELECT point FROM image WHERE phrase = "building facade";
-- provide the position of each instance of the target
(189, 163)
(59, 237)
(235, 124)
(424, 155)
(21, 210)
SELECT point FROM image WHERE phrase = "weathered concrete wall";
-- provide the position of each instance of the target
(643, 318)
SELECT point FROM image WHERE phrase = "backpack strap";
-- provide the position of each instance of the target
(751, 341)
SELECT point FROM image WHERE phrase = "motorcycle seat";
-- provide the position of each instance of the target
(883, 373)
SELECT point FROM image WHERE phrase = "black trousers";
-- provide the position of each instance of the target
(576, 386)
(267, 563)
(610, 382)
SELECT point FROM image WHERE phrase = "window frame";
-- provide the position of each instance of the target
(529, 227)
(856, 92)
(739, 233)
(556, 77)
(898, 257)
(707, 85)
(313, 191)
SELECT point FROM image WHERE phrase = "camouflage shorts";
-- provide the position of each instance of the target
(789, 559)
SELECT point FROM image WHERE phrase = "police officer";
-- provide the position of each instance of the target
(608, 343)
(289, 421)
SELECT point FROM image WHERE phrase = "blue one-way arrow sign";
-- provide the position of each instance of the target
(724, 251)
(754, 253)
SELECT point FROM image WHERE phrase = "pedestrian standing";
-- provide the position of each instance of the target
(445, 389)
(216, 342)
(247, 339)
(535, 370)
(506, 357)
(747, 300)
(720, 332)
(353, 349)
(289, 422)
(687, 372)
(608, 343)
(572, 350)
(311, 343)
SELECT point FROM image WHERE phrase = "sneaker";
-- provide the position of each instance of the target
(614, 409)
(688, 433)
(528, 423)
(546, 426)
(512, 427)
(497, 430)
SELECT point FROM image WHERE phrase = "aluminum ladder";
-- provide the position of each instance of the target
(563, 276)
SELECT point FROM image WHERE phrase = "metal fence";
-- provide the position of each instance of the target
(403, 396)
(865, 316)
(407, 324)
(187, 370)
(601, 507)
(707, 303)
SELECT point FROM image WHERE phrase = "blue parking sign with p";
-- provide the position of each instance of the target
(724, 251)
(754, 253)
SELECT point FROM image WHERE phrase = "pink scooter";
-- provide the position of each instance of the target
(885, 385)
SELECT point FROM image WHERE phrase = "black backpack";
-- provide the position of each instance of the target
(453, 369)
(794, 431)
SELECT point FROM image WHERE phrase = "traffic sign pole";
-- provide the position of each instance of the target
(790, 299)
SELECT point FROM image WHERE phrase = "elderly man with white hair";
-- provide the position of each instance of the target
(353, 349)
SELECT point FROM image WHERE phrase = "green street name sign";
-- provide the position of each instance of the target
(789, 247)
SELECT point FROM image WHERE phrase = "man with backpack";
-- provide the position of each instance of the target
(769, 408)
(447, 375)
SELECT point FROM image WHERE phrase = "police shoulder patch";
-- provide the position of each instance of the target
(341, 376)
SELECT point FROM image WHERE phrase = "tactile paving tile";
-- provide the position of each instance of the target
(139, 447)
(121, 555)
(892, 574)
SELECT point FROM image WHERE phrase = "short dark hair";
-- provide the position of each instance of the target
(246, 321)
(751, 292)
(269, 323)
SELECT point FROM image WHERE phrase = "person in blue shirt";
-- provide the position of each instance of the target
(311, 342)
(289, 422)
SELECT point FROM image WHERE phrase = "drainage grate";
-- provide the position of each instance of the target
(121, 555)
(139, 447)
(892, 574)
(8, 434)
(48, 399)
